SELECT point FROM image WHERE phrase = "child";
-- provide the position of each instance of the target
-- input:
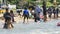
(25, 14)
(12, 15)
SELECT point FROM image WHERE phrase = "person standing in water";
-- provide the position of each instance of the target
(25, 14)
(12, 15)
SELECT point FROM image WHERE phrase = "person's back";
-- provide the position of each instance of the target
(37, 13)
(6, 13)
(25, 14)
(37, 9)
(54, 10)
(50, 10)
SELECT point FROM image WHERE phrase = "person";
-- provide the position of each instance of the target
(18, 11)
(57, 12)
(12, 15)
(54, 12)
(6, 14)
(50, 12)
(25, 14)
(37, 13)
(6, 17)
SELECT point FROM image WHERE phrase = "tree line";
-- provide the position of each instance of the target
(21, 3)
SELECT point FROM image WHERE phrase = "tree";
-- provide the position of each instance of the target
(11, 1)
(0, 1)
(51, 1)
(58, 1)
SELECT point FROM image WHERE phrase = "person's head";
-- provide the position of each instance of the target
(20, 10)
(25, 8)
(30, 8)
(11, 11)
(7, 10)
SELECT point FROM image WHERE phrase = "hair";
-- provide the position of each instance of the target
(20, 10)
(11, 11)
(6, 9)
(25, 8)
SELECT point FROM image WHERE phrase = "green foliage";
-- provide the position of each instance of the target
(33, 0)
(0, 1)
(17, 2)
(51, 1)
(58, 1)
(11, 1)
(48, 4)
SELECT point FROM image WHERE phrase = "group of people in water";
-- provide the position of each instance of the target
(52, 10)
(9, 17)
(38, 15)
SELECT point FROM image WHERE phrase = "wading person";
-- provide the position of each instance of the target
(12, 15)
(25, 14)
(37, 13)
(50, 12)
(54, 12)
